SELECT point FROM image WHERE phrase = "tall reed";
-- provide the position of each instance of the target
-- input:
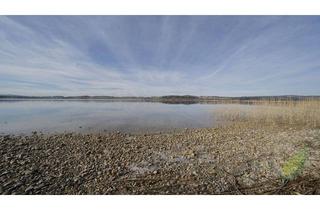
(291, 113)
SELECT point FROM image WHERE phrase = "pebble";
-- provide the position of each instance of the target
(28, 189)
(180, 157)
(6, 137)
(4, 173)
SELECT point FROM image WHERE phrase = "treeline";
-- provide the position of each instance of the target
(263, 98)
(171, 98)
(67, 97)
(53, 97)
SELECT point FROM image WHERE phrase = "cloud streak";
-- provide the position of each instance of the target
(159, 55)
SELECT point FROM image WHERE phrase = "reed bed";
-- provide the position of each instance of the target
(282, 113)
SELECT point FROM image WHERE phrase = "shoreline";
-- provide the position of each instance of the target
(223, 160)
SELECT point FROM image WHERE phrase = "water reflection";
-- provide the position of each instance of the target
(96, 116)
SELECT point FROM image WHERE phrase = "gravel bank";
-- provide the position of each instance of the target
(228, 160)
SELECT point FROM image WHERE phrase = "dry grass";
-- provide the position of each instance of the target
(284, 113)
(293, 162)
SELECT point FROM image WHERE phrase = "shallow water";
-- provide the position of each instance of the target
(96, 116)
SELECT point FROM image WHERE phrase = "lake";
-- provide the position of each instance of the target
(25, 116)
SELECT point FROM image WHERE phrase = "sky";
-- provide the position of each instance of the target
(160, 55)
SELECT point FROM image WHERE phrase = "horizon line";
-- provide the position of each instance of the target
(283, 95)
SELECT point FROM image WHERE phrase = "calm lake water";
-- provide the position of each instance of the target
(96, 116)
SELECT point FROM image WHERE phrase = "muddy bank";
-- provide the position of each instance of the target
(228, 160)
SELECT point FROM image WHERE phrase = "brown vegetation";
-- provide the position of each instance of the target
(281, 113)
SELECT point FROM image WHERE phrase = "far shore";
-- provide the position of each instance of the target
(168, 99)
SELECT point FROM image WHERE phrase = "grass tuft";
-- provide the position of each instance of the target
(294, 166)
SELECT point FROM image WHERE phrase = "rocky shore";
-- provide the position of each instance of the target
(226, 160)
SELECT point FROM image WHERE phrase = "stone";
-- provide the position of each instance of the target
(6, 137)
(4, 173)
(28, 189)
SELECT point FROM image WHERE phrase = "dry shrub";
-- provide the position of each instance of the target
(290, 113)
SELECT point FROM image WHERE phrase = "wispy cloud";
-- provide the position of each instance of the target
(159, 55)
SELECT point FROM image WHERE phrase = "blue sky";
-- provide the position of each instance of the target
(160, 55)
